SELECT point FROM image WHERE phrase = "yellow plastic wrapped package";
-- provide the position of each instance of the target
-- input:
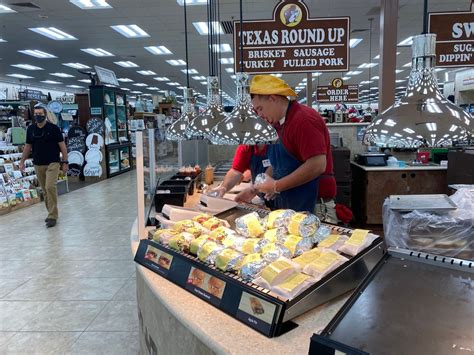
(252, 264)
(297, 245)
(250, 225)
(294, 285)
(201, 218)
(358, 241)
(276, 272)
(327, 261)
(208, 251)
(332, 242)
(197, 243)
(164, 235)
(229, 260)
(213, 223)
(181, 242)
(307, 257)
(303, 224)
(221, 233)
(273, 251)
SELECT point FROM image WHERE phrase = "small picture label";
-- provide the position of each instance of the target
(256, 312)
(161, 260)
(205, 286)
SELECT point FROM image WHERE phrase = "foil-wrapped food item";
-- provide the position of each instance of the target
(322, 232)
(181, 242)
(250, 225)
(278, 218)
(260, 179)
(303, 224)
(229, 260)
(273, 251)
(162, 236)
(208, 251)
(221, 233)
(276, 272)
(252, 264)
(197, 243)
(249, 245)
(297, 245)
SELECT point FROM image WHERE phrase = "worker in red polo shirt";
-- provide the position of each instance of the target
(301, 160)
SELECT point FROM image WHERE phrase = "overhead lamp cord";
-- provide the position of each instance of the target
(186, 43)
(241, 40)
(425, 17)
(370, 56)
(220, 56)
(209, 38)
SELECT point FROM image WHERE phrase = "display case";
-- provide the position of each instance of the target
(118, 158)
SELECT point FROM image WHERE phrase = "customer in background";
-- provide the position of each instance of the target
(46, 141)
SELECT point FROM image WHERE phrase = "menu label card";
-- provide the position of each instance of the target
(159, 260)
(256, 312)
(205, 286)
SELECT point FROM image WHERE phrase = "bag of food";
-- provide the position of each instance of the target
(208, 251)
(307, 257)
(293, 285)
(201, 218)
(333, 242)
(221, 233)
(276, 272)
(322, 232)
(358, 241)
(197, 243)
(252, 264)
(164, 235)
(303, 224)
(273, 251)
(229, 260)
(297, 245)
(279, 218)
(327, 261)
(213, 223)
(249, 225)
(249, 245)
(276, 234)
(181, 242)
(181, 226)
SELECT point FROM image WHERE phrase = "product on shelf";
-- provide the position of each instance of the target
(293, 285)
(359, 240)
(252, 264)
(326, 262)
(303, 224)
(273, 251)
(229, 260)
(276, 272)
(279, 218)
(181, 242)
(250, 225)
(333, 242)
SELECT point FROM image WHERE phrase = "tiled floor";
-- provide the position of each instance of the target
(71, 289)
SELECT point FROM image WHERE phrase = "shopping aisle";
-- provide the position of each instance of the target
(71, 288)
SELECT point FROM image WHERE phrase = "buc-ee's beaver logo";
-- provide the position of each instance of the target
(290, 15)
(337, 83)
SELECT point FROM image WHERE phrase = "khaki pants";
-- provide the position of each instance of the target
(326, 211)
(48, 178)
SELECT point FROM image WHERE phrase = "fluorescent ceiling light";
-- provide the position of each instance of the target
(174, 84)
(190, 71)
(354, 42)
(2, 40)
(153, 88)
(203, 28)
(399, 81)
(407, 65)
(191, 2)
(130, 31)
(53, 33)
(146, 72)
(354, 72)
(277, 75)
(125, 89)
(366, 82)
(400, 87)
(158, 50)
(316, 74)
(140, 84)
(203, 82)
(127, 64)
(51, 82)
(227, 60)
(136, 92)
(161, 78)
(62, 75)
(85, 81)
(5, 10)
(406, 42)
(222, 48)
(229, 70)
(376, 77)
(91, 4)
(75, 86)
(374, 88)
(439, 69)
(233, 76)
(36, 53)
(367, 65)
(345, 78)
(26, 67)
(20, 76)
(398, 71)
(176, 62)
(199, 77)
(76, 65)
(98, 52)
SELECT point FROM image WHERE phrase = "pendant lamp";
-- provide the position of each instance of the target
(178, 130)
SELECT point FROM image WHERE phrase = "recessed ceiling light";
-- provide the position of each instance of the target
(190, 71)
(191, 2)
(399, 81)
(98, 52)
(354, 72)
(376, 77)
(136, 92)
(407, 65)
(174, 84)
(176, 62)
(354, 42)
(130, 31)
(127, 64)
(20, 76)
(222, 48)
(85, 81)
(158, 50)
(406, 42)
(199, 77)
(125, 80)
(53, 33)
(203, 28)
(316, 73)
(161, 78)
(140, 84)
(36, 53)
(227, 60)
(345, 77)
(146, 72)
(5, 10)
(366, 82)
(91, 4)
(229, 70)
(367, 65)
(75, 86)
(26, 67)
(76, 65)
(51, 82)
(233, 76)
(125, 89)
(62, 75)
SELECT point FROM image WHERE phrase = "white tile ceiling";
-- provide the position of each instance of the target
(163, 21)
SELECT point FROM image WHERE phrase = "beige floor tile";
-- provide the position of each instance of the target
(43, 343)
(5, 337)
(9, 285)
(64, 316)
(116, 316)
(14, 315)
(105, 343)
(128, 292)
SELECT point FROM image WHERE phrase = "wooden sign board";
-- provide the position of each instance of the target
(454, 38)
(337, 92)
(292, 42)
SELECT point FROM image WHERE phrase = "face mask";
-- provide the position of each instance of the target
(40, 118)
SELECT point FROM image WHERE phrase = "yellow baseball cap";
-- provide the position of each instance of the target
(270, 85)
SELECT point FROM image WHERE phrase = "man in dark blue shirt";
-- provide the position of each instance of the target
(46, 141)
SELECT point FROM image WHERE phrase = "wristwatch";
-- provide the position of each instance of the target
(64, 162)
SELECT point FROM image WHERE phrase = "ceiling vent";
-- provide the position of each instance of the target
(29, 5)
(228, 27)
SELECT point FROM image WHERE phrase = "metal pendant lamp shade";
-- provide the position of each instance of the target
(201, 126)
(178, 130)
(423, 117)
(243, 126)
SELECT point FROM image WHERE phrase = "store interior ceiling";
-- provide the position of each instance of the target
(163, 22)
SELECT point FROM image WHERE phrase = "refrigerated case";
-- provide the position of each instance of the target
(118, 158)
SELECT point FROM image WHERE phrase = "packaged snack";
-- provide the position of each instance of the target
(249, 245)
(272, 251)
(181, 226)
(221, 233)
(322, 232)
(327, 261)
(271, 235)
(197, 243)
(359, 240)
(201, 218)
(181, 242)
(297, 245)
(164, 235)
(208, 251)
(195, 231)
(252, 264)
(213, 223)
(276, 272)
(293, 285)
(333, 242)
(303, 224)
(279, 218)
(229, 260)
(249, 225)
(307, 257)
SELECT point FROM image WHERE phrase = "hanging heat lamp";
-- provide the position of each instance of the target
(423, 117)
(243, 126)
(178, 130)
